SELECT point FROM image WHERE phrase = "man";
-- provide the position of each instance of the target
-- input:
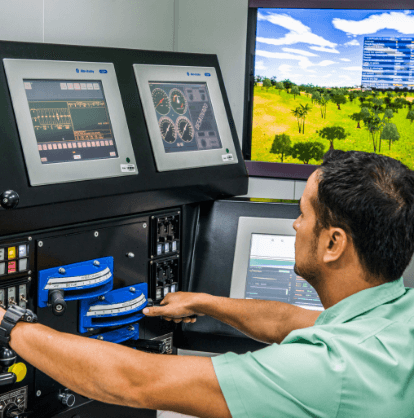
(354, 239)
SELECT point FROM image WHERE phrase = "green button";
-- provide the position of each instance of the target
(227, 150)
(128, 160)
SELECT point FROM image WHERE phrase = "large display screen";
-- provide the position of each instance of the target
(270, 274)
(327, 78)
(70, 120)
(185, 116)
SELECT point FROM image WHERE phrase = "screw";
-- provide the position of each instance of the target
(40, 243)
(152, 217)
(132, 289)
(144, 225)
(131, 328)
(90, 329)
(152, 256)
(96, 263)
(38, 393)
(29, 272)
(96, 234)
(62, 270)
(130, 255)
(151, 262)
(101, 297)
(29, 279)
(100, 337)
(30, 238)
(178, 212)
(59, 307)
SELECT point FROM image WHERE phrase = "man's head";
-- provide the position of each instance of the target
(367, 201)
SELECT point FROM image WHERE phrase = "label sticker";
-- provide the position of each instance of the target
(227, 157)
(128, 168)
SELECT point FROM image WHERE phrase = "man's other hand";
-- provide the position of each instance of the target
(176, 307)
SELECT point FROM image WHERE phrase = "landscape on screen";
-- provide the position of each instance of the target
(339, 79)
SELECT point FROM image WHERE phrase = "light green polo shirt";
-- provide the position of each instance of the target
(356, 361)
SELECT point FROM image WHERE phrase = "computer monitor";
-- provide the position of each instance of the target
(71, 120)
(263, 264)
(185, 114)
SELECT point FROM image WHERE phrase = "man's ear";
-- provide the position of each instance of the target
(335, 241)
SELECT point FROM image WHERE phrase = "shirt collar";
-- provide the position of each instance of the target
(361, 302)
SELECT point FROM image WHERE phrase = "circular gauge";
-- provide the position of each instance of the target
(161, 101)
(178, 101)
(185, 129)
(167, 128)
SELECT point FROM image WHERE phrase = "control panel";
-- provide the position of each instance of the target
(165, 262)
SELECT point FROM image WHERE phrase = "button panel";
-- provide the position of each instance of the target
(14, 258)
(165, 234)
(164, 277)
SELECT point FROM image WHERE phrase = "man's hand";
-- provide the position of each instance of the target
(177, 307)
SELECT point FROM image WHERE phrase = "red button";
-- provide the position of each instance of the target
(11, 267)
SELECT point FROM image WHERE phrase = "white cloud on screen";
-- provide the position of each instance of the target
(324, 49)
(260, 66)
(354, 42)
(303, 62)
(300, 52)
(298, 32)
(400, 21)
(345, 59)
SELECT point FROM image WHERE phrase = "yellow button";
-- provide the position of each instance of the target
(11, 252)
(20, 370)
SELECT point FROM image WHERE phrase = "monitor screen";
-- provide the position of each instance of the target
(70, 120)
(333, 78)
(270, 274)
(185, 116)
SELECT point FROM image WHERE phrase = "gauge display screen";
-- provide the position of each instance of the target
(70, 120)
(185, 116)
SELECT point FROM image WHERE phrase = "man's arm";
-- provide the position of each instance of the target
(120, 375)
(263, 320)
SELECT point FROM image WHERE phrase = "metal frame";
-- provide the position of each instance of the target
(41, 174)
(146, 73)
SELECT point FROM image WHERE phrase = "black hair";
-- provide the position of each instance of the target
(371, 197)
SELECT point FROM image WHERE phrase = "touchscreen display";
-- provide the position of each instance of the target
(185, 116)
(270, 274)
(70, 120)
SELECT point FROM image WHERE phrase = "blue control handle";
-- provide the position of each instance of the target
(76, 281)
(120, 335)
(115, 308)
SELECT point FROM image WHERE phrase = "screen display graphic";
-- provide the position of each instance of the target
(333, 79)
(70, 120)
(270, 274)
(185, 116)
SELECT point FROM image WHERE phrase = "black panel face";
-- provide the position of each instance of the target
(153, 190)
(213, 265)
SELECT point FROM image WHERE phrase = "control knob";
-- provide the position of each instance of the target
(67, 398)
(9, 199)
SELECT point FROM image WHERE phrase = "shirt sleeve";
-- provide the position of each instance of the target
(301, 379)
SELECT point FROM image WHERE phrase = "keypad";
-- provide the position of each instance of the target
(14, 258)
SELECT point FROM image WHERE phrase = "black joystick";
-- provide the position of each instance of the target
(57, 302)
(7, 359)
(9, 199)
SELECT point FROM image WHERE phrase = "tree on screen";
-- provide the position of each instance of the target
(357, 117)
(410, 116)
(273, 81)
(304, 110)
(281, 145)
(390, 133)
(373, 124)
(288, 84)
(279, 86)
(331, 133)
(298, 115)
(388, 115)
(267, 83)
(339, 99)
(306, 151)
(316, 96)
(295, 91)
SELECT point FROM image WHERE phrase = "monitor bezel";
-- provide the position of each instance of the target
(40, 174)
(277, 169)
(246, 227)
(147, 73)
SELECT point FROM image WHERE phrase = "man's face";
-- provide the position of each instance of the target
(306, 244)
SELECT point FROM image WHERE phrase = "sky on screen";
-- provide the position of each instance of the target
(322, 47)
